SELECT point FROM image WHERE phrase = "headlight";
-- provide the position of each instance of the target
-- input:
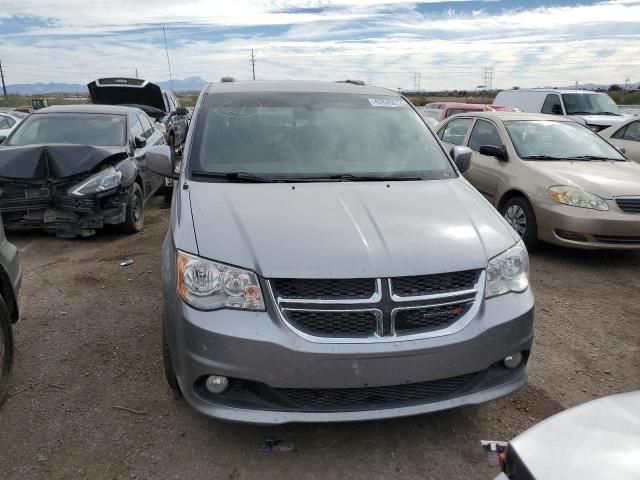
(508, 272)
(107, 179)
(577, 198)
(211, 285)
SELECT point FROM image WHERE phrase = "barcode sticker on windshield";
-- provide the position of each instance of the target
(387, 102)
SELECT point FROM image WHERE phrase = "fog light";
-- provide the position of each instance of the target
(512, 361)
(216, 383)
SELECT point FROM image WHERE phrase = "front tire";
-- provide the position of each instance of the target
(520, 215)
(135, 211)
(6, 351)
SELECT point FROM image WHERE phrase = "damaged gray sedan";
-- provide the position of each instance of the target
(70, 170)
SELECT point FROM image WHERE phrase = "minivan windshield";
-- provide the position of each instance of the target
(589, 104)
(551, 140)
(71, 128)
(314, 136)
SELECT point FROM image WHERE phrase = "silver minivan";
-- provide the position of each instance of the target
(326, 261)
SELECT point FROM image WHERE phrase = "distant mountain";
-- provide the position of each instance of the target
(179, 85)
(598, 86)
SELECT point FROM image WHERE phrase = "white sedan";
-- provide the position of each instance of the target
(9, 121)
(625, 136)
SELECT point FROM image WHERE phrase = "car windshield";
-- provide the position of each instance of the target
(551, 140)
(313, 136)
(71, 128)
(589, 104)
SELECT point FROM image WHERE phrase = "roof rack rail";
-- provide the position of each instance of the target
(352, 82)
(227, 80)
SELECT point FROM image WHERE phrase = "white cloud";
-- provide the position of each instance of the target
(354, 38)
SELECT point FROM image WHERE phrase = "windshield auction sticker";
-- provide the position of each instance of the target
(387, 102)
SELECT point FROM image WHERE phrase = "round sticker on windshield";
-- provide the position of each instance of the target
(239, 107)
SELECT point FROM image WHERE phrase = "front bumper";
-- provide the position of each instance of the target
(62, 214)
(586, 228)
(258, 348)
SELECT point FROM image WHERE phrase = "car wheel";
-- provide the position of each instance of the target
(135, 211)
(169, 372)
(518, 212)
(6, 351)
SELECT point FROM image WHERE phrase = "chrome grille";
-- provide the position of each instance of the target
(434, 284)
(334, 322)
(356, 288)
(382, 309)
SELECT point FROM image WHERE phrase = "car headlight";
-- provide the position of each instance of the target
(107, 179)
(508, 272)
(211, 285)
(576, 197)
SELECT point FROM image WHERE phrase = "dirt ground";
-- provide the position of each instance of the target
(88, 342)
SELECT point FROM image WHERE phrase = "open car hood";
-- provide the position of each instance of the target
(39, 162)
(126, 91)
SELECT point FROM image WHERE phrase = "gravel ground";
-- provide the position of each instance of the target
(88, 349)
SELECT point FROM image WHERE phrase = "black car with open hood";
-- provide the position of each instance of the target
(163, 106)
(71, 170)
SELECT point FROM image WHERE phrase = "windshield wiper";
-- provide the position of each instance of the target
(235, 176)
(542, 157)
(349, 177)
(588, 158)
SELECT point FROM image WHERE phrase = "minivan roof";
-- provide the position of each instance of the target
(552, 90)
(87, 108)
(296, 86)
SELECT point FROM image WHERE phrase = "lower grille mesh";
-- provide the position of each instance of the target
(373, 397)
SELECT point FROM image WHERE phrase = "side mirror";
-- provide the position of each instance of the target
(139, 142)
(160, 160)
(462, 158)
(2, 138)
(182, 111)
(556, 109)
(622, 150)
(492, 151)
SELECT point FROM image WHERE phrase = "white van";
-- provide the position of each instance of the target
(597, 110)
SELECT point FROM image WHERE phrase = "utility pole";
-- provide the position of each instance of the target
(137, 73)
(4, 87)
(626, 83)
(253, 64)
(488, 77)
(166, 49)
(416, 81)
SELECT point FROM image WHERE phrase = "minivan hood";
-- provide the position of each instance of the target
(347, 230)
(605, 179)
(111, 94)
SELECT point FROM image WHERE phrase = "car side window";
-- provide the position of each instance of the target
(552, 105)
(484, 133)
(455, 131)
(6, 122)
(147, 126)
(632, 132)
(135, 127)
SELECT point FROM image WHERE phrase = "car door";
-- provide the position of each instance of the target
(153, 137)
(628, 138)
(136, 130)
(485, 170)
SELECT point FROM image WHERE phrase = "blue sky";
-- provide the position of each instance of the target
(386, 42)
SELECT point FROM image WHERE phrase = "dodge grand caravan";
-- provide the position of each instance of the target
(326, 261)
